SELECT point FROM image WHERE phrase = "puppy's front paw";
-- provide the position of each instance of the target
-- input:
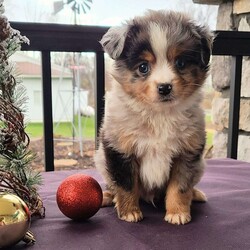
(179, 218)
(132, 216)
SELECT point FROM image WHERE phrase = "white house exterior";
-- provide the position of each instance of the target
(63, 96)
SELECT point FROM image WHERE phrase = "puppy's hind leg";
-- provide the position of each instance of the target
(198, 195)
(108, 198)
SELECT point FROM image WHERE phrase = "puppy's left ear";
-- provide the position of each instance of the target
(113, 41)
(206, 42)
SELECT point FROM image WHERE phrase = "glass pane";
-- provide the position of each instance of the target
(73, 81)
(28, 70)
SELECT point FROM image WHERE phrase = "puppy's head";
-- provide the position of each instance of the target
(160, 57)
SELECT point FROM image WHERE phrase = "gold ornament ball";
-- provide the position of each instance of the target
(14, 219)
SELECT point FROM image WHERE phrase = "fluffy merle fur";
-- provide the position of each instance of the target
(152, 137)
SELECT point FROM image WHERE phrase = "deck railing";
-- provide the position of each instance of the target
(48, 38)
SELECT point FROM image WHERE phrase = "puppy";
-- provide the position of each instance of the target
(152, 137)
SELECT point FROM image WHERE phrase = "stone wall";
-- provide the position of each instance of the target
(232, 15)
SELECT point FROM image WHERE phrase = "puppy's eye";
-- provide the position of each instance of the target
(144, 68)
(180, 63)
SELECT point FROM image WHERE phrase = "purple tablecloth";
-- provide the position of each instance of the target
(221, 223)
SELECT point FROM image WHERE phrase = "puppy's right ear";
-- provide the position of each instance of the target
(113, 41)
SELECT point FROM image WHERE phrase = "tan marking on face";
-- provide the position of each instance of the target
(148, 56)
(185, 85)
(174, 50)
(143, 90)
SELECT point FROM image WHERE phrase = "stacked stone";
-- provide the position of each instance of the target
(232, 15)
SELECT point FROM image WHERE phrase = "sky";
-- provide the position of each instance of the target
(103, 12)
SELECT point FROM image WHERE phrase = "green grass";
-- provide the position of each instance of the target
(64, 129)
(34, 130)
(209, 141)
(208, 118)
(210, 132)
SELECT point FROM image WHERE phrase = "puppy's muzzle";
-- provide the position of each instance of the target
(164, 89)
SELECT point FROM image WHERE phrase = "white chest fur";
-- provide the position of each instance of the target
(154, 170)
(155, 152)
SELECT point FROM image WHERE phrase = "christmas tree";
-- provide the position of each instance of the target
(16, 174)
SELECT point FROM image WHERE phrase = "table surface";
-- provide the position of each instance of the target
(221, 223)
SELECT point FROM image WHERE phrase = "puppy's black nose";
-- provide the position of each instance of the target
(164, 89)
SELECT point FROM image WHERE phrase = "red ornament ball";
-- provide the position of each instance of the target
(79, 197)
